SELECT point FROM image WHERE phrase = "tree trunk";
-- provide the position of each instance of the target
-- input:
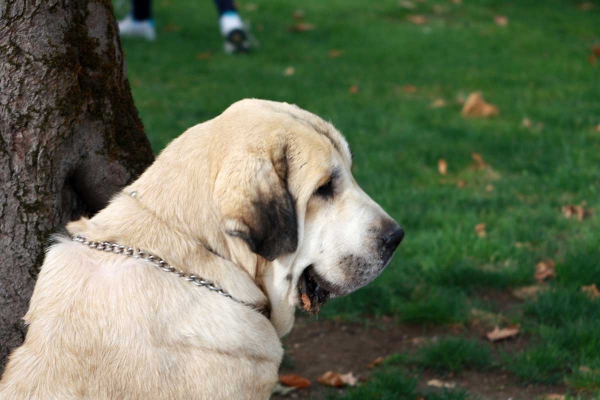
(70, 135)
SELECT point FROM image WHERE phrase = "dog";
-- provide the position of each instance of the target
(254, 213)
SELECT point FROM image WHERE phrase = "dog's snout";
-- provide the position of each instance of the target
(393, 239)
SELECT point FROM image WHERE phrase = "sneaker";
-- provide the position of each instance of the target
(234, 32)
(132, 28)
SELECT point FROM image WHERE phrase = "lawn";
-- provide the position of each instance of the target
(379, 77)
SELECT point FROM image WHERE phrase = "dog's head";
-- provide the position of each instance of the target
(284, 187)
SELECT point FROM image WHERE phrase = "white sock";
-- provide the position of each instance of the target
(230, 21)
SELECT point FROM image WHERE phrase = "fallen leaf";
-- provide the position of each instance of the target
(335, 53)
(586, 6)
(438, 103)
(298, 14)
(461, 183)
(172, 28)
(289, 71)
(504, 333)
(417, 19)
(375, 362)
(409, 5)
(302, 27)
(579, 211)
(413, 89)
(489, 188)
(282, 390)
(442, 166)
(440, 384)
(554, 396)
(528, 292)
(306, 303)
(597, 128)
(204, 56)
(479, 163)
(353, 89)
(596, 50)
(526, 123)
(419, 341)
(476, 107)
(544, 270)
(591, 291)
(456, 1)
(296, 381)
(500, 20)
(480, 230)
(335, 379)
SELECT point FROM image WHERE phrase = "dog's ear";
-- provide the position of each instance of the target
(256, 205)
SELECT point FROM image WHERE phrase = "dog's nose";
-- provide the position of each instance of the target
(393, 239)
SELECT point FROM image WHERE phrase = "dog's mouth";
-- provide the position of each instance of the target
(311, 290)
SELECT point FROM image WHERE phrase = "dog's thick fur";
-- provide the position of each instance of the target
(233, 201)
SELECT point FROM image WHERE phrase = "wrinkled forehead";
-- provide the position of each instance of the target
(317, 125)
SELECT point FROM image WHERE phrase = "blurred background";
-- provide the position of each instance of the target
(476, 125)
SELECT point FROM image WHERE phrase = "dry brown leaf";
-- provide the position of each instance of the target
(528, 292)
(306, 303)
(476, 107)
(500, 20)
(480, 230)
(302, 27)
(296, 381)
(554, 396)
(526, 123)
(335, 379)
(440, 384)
(353, 89)
(461, 183)
(298, 14)
(442, 166)
(489, 188)
(375, 362)
(289, 71)
(333, 53)
(412, 89)
(409, 5)
(204, 56)
(417, 19)
(504, 333)
(438, 103)
(591, 291)
(479, 163)
(571, 210)
(597, 128)
(172, 28)
(586, 6)
(544, 270)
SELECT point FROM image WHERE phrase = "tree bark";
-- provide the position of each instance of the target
(70, 135)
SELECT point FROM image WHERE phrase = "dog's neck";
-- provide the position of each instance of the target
(128, 221)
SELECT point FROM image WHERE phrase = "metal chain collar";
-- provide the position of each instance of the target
(160, 264)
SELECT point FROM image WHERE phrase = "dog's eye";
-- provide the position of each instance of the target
(325, 190)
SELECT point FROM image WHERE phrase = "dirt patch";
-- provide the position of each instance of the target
(314, 347)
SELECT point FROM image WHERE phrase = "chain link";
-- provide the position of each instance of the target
(160, 264)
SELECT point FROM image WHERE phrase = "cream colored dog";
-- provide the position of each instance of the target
(261, 201)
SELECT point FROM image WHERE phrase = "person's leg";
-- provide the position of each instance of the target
(141, 10)
(139, 23)
(232, 27)
(224, 6)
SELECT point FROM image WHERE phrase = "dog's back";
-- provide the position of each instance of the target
(104, 326)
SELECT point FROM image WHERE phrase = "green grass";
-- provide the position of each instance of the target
(536, 67)
(454, 354)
